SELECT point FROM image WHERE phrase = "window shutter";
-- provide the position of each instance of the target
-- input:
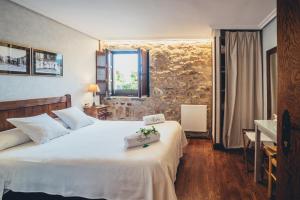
(144, 73)
(103, 71)
(109, 79)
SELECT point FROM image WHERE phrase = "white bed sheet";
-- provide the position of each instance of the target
(91, 162)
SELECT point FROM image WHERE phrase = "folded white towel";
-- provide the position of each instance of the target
(154, 119)
(139, 139)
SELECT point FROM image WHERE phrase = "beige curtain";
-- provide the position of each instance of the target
(273, 80)
(243, 93)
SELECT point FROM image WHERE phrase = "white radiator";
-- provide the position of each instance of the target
(194, 118)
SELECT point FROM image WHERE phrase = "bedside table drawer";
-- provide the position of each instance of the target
(103, 110)
(99, 112)
(102, 117)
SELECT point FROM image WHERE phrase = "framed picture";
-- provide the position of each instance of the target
(14, 59)
(47, 63)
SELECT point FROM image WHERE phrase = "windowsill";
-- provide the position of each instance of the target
(125, 97)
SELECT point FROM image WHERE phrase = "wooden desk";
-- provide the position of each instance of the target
(269, 128)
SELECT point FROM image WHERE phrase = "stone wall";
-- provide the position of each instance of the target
(180, 73)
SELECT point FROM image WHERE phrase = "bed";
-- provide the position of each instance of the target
(91, 162)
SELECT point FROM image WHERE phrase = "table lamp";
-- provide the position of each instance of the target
(94, 88)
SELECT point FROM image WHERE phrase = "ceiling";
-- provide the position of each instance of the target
(154, 19)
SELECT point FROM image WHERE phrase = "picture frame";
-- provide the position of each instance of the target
(46, 63)
(14, 59)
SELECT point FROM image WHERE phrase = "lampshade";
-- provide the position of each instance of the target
(93, 88)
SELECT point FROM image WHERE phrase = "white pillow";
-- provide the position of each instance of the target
(73, 117)
(154, 119)
(61, 122)
(93, 119)
(11, 138)
(40, 128)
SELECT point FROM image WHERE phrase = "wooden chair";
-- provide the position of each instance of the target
(271, 152)
(249, 134)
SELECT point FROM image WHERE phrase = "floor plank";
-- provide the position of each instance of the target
(207, 174)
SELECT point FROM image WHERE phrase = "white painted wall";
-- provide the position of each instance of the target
(22, 26)
(269, 41)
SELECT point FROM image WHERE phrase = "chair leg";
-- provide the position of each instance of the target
(244, 142)
(247, 147)
(245, 151)
(262, 169)
(269, 177)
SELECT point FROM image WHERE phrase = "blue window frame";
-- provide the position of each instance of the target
(129, 73)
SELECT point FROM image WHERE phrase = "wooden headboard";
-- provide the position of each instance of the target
(31, 107)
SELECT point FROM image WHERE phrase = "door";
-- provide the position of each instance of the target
(288, 49)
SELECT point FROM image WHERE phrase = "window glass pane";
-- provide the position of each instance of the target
(101, 74)
(102, 87)
(125, 74)
(101, 60)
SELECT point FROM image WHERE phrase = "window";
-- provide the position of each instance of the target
(125, 73)
(129, 73)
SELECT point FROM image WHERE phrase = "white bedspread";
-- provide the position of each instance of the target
(91, 162)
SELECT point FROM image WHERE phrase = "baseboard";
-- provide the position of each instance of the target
(218, 146)
(199, 135)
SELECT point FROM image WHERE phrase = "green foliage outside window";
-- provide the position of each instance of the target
(124, 84)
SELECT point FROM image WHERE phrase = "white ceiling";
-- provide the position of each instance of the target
(153, 19)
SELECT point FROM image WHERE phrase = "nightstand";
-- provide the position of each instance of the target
(99, 112)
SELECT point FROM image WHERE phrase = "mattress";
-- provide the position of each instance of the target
(92, 162)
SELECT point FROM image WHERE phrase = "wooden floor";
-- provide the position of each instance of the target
(207, 174)
(204, 174)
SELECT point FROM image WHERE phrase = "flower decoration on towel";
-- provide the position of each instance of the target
(147, 131)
